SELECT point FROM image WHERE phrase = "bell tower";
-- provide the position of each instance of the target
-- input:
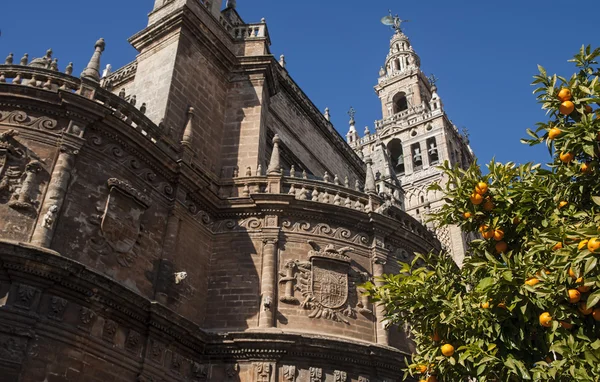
(416, 135)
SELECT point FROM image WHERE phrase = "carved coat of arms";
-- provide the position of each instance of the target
(327, 283)
(120, 223)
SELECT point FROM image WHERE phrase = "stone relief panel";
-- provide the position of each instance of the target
(119, 231)
(325, 230)
(262, 372)
(21, 173)
(327, 283)
(315, 374)
(288, 373)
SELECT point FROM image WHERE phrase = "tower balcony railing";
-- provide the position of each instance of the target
(408, 117)
(251, 31)
(52, 80)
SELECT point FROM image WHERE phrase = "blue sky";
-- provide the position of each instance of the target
(483, 52)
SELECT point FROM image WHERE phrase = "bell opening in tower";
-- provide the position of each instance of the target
(400, 102)
(397, 154)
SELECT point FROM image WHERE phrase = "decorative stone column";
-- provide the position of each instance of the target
(55, 196)
(379, 259)
(268, 285)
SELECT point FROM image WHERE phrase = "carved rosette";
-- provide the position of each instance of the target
(109, 330)
(326, 282)
(57, 308)
(25, 296)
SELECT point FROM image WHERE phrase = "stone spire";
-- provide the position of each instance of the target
(92, 70)
(327, 114)
(352, 136)
(230, 4)
(282, 61)
(274, 163)
(188, 133)
(370, 179)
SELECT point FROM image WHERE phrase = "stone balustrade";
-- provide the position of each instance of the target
(55, 81)
(420, 114)
(251, 31)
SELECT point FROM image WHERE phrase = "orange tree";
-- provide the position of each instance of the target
(525, 304)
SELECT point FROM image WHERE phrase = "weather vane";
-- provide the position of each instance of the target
(393, 21)
(433, 79)
(351, 113)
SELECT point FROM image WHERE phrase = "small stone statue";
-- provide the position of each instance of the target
(9, 59)
(326, 177)
(293, 172)
(24, 59)
(133, 100)
(49, 217)
(69, 69)
(259, 170)
(106, 72)
(248, 171)
(179, 277)
(143, 108)
(304, 174)
(122, 93)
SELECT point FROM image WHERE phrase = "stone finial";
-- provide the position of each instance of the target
(188, 133)
(327, 115)
(382, 72)
(346, 181)
(143, 108)
(54, 64)
(49, 55)
(259, 170)
(367, 131)
(107, 71)
(336, 180)
(326, 177)
(9, 59)
(282, 61)
(133, 100)
(248, 171)
(230, 4)
(304, 174)
(352, 113)
(274, 163)
(122, 93)
(69, 69)
(92, 70)
(24, 59)
(357, 185)
(293, 171)
(263, 20)
(370, 178)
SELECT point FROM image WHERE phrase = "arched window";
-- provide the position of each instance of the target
(400, 102)
(397, 155)
(432, 151)
(417, 156)
(397, 64)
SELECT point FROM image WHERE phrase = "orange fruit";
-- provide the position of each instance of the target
(488, 205)
(584, 309)
(572, 273)
(501, 247)
(582, 244)
(481, 188)
(467, 215)
(430, 379)
(588, 109)
(485, 305)
(422, 369)
(596, 314)
(476, 198)
(585, 167)
(574, 296)
(516, 220)
(436, 337)
(557, 246)
(554, 132)
(486, 231)
(593, 244)
(566, 157)
(566, 325)
(584, 288)
(498, 234)
(562, 204)
(546, 319)
(501, 305)
(566, 107)
(532, 281)
(447, 350)
(564, 94)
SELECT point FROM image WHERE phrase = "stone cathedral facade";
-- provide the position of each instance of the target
(192, 216)
(414, 137)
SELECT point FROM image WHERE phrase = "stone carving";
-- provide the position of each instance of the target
(11, 348)
(156, 351)
(200, 371)
(263, 372)
(289, 373)
(340, 376)
(25, 296)
(363, 379)
(288, 279)
(109, 330)
(322, 229)
(231, 371)
(176, 362)
(252, 223)
(315, 374)
(120, 225)
(132, 343)
(57, 308)
(327, 283)
(86, 316)
(363, 299)
(24, 197)
(22, 119)
(49, 217)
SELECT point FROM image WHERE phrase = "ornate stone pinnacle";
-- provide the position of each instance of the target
(274, 162)
(69, 69)
(9, 59)
(327, 115)
(282, 61)
(24, 59)
(230, 4)
(352, 113)
(188, 133)
(370, 187)
(92, 70)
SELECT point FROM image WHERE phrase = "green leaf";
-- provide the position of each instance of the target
(593, 299)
